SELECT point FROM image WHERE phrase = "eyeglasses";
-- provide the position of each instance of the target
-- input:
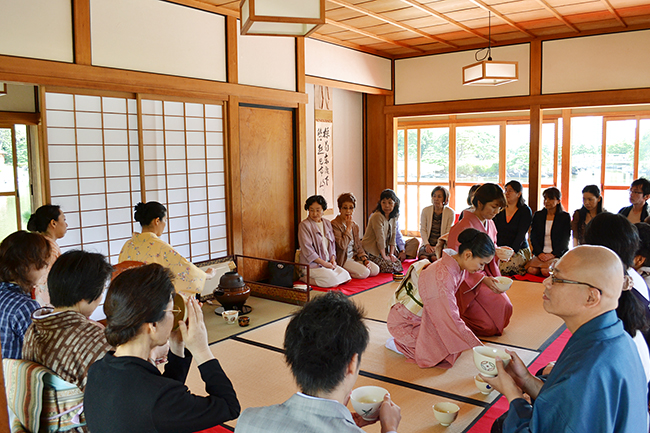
(555, 280)
(631, 191)
(173, 310)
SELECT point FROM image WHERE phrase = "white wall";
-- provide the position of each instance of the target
(347, 139)
(439, 77)
(40, 29)
(158, 36)
(326, 60)
(614, 61)
(19, 97)
(267, 61)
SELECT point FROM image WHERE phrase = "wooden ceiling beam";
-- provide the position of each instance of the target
(391, 21)
(424, 8)
(557, 15)
(508, 21)
(371, 35)
(610, 8)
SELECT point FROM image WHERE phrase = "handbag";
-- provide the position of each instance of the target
(281, 274)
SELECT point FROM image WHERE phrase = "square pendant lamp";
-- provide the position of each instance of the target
(487, 72)
(490, 73)
(281, 17)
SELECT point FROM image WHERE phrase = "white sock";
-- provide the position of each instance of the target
(390, 344)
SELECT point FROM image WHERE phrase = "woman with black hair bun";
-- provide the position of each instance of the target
(425, 320)
(317, 246)
(49, 221)
(592, 205)
(125, 392)
(482, 306)
(147, 247)
(379, 238)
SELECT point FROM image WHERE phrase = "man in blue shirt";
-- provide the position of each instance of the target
(598, 383)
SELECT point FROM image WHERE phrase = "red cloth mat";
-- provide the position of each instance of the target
(216, 429)
(529, 277)
(552, 353)
(356, 286)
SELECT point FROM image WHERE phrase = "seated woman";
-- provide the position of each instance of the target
(48, 220)
(435, 221)
(485, 310)
(349, 251)
(147, 247)
(125, 392)
(24, 260)
(379, 238)
(425, 322)
(512, 225)
(592, 205)
(62, 338)
(317, 246)
(549, 233)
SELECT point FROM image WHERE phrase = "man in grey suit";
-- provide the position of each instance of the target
(323, 346)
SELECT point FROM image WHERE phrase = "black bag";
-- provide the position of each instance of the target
(281, 274)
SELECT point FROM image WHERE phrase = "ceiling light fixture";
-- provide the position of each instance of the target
(281, 17)
(489, 72)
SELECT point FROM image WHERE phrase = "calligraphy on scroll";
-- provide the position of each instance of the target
(323, 154)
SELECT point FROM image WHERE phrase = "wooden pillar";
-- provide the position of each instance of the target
(535, 162)
(375, 149)
(81, 31)
(233, 176)
(566, 156)
(232, 71)
(301, 134)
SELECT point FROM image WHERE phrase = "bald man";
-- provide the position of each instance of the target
(598, 383)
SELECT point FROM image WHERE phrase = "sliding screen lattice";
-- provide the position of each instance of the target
(94, 165)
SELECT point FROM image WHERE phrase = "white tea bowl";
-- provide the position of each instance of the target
(484, 359)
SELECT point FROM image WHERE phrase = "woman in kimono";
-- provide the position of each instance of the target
(485, 310)
(318, 248)
(147, 247)
(425, 321)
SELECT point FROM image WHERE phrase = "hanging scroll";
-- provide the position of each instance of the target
(324, 151)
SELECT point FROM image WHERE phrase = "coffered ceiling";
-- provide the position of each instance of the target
(403, 28)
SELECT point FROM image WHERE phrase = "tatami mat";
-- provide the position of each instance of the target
(264, 311)
(458, 380)
(274, 384)
(377, 360)
(530, 325)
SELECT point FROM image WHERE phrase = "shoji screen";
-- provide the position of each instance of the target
(184, 169)
(94, 164)
(94, 169)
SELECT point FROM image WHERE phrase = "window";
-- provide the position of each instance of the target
(497, 152)
(15, 194)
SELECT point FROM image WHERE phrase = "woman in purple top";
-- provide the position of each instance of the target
(317, 247)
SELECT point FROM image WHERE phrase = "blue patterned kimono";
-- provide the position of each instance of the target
(597, 385)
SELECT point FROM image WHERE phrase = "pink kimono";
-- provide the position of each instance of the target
(440, 335)
(485, 312)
